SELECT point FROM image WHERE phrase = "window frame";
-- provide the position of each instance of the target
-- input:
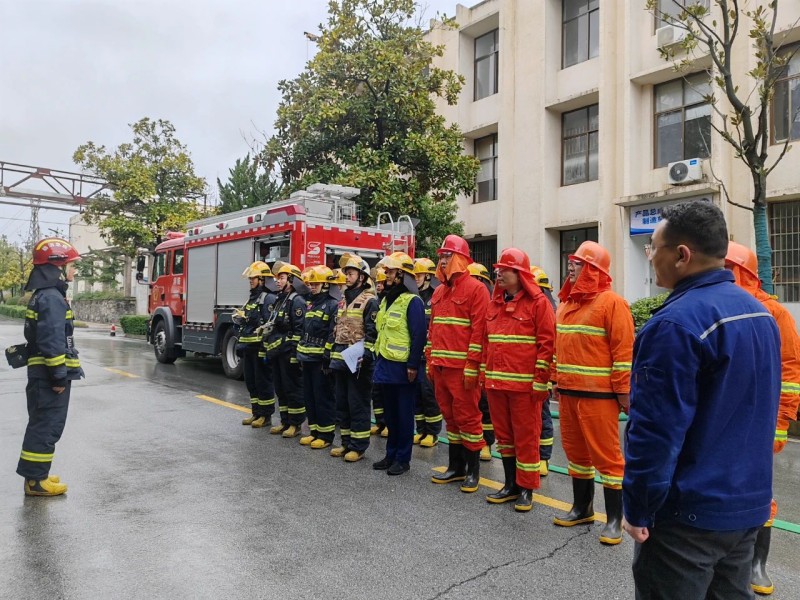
(682, 109)
(795, 50)
(495, 55)
(565, 21)
(177, 266)
(658, 22)
(586, 134)
(777, 242)
(493, 158)
(479, 249)
(591, 233)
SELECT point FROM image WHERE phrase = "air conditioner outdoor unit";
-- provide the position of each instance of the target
(685, 171)
(669, 35)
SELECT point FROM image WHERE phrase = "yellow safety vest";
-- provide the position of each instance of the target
(394, 339)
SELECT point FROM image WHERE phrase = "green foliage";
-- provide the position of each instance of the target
(106, 295)
(15, 266)
(248, 185)
(17, 312)
(363, 114)
(134, 324)
(19, 300)
(745, 126)
(100, 266)
(155, 187)
(643, 308)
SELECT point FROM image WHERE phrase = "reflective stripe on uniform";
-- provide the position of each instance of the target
(503, 376)
(546, 441)
(584, 370)
(581, 329)
(500, 338)
(468, 437)
(528, 467)
(789, 387)
(36, 456)
(621, 366)
(452, 321)
(610, 480)
(448, 354)
(781, 435)
(580, 470)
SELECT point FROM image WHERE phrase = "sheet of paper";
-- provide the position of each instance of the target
(352, 354)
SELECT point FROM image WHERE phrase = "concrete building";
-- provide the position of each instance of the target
(575, 116)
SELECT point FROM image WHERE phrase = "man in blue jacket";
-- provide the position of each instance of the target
(705, 384)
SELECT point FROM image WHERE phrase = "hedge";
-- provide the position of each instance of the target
(643, 309)
(134, 324)
(110, 295)
(11, 310)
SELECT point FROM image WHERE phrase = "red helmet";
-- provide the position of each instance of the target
(54, 251)
(743, 257)
(456, 244)
(514, 258)
(594, 254)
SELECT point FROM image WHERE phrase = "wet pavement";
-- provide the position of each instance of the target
(170, 497)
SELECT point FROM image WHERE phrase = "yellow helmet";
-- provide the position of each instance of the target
(339, 277)
(288, 268)
(398, 260)
(424, 266)
(257, 269)
(318, 274)
(379, 274)
(541, 278)
(354, 261)
(478, 270)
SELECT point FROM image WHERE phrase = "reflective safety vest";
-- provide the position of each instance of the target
(394, 339)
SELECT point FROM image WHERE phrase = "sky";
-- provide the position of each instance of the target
(80, 70)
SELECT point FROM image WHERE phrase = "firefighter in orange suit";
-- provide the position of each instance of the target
(458, 323)
(592, 368)
(481, 273)
(744, 264)
(517, 350)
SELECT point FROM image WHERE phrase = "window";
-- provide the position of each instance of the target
(579, 145)
(177, 264)
(580, 31)
(784, 233)
(159, 265)
(486, 153)
(570, 240)
(682, 119)
(487, 52)
(484, 252)
(786, 103)
(668, 11)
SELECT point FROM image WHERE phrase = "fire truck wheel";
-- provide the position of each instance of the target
(164, 354)
(231, 363)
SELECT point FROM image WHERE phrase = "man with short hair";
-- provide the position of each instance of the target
(706, 380)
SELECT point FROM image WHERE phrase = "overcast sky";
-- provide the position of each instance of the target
(79, 70)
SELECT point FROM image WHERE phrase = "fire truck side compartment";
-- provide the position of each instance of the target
(201, 284)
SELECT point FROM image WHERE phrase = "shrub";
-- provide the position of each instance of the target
(134, 324)
(111, 295)
(17, 312)
(643, 309)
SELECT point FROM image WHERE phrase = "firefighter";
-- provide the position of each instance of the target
(546, 441)
(399, 349)
(249, 320)
(281, 348)
(428, 416)
(357, 314)
(517, 351)
(458, 323)
(379, 427)
(592, 368)
(319, 320)
(481, 273)
(744, 264)
(52, 363)
(339, 280)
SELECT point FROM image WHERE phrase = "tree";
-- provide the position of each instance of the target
(15, 266)
(363, 114)
(155, 188)
(248, 185)
(100, 266)
(744, 114)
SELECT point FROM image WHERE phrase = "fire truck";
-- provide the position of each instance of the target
(195, 279)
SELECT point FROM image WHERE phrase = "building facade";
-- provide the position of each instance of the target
(576, 118)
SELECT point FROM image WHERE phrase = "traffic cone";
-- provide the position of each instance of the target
(113, 330)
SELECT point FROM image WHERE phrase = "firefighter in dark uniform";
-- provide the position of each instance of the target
(546, 440)
(481, 273)
(249, 321)
(427, 414)
(281, 348)
(319, 321)
(379, 427)
(357, 313)
(52, 363)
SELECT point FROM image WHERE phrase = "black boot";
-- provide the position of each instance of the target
(525, 501)
(456, 468)
(473, 471)
(759, 579)
(510, 490)
(582, 510)
(612, 532)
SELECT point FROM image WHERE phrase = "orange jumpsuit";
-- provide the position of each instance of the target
(591, 365)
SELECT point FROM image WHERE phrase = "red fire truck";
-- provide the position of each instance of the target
(195, 279)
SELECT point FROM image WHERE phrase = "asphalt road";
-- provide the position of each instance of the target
(170, 497)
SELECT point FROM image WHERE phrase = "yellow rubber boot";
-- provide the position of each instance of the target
(307, 440)
(291, 431)
(249, 420)
(353, 456)
(429, 441)
(44, 487)
(259, 423)
(418, 438)
(385, 432)
(318, 444)
(278, 429)
(338, 451)
(374, 430)
(486, 453)
(544, 468)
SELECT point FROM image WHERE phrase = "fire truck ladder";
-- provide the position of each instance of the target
(401, 231)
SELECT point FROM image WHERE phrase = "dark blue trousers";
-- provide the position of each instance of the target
(398, 401)
(320, 405)
(546, 437)
(258, 379)
(47, 415)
